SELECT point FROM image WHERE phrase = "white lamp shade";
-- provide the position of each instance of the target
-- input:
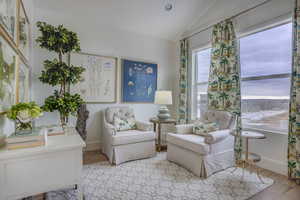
(163, 97)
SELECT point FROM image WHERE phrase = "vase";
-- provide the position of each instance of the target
(64, 119)
(22, 128)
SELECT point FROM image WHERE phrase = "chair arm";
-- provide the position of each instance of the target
(184, 128)
(110, 129)
(144, 126)
(216, 136)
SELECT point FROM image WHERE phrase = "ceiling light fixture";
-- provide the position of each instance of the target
(168, 7)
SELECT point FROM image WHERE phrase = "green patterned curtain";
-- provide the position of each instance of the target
(294, 118)
(183, 82)
(224, 92)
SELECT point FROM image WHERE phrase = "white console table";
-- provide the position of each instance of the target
(31, 171)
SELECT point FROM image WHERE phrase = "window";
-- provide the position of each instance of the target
(266, 58)
(202, 63)
(265, 69)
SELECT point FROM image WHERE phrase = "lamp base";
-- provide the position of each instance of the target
(163, 113)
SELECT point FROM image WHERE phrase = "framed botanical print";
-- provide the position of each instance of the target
(8, 13)
(99, 78)
(23, 82)
(23, 31)
(7, 75)
(139, 81)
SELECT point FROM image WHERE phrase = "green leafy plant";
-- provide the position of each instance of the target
(66, 104)
(58, 73)
(23, 114)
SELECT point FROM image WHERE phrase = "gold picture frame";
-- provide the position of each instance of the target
(8, 74)
(11, 46)
(78, 88)
(23, 31)
(8, 18)
(22, 82)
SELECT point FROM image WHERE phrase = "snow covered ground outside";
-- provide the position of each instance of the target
(264, 114)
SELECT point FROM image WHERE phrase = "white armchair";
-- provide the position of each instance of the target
(122, 146)
(203, 155)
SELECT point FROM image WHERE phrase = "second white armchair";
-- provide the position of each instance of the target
(203, 155)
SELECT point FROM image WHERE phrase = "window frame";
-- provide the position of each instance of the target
(195, 83)
(282, 75)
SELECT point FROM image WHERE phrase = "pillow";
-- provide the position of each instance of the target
(203, 129)
(123, 124)
(132, 123)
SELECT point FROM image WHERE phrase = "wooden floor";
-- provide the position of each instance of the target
(282, 189)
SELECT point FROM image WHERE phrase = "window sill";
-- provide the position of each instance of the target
(266, 131)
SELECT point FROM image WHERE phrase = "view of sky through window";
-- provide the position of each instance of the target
(203, 62)
(267, 52)
(264, 53)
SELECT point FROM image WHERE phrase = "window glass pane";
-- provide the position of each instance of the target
(265, 67)
(201, 99)
(200, 86)
(203, 63)
(266, 88)
(267, 52)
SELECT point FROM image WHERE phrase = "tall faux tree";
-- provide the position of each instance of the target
(58, 73)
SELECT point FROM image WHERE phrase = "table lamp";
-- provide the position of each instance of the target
(163, 98)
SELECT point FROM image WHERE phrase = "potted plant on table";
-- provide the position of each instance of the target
(23, 115)
(59, 73)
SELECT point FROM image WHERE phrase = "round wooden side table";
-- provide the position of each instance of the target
(248, 158)
(157, 122)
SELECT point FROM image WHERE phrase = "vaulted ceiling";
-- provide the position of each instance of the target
(147, 17)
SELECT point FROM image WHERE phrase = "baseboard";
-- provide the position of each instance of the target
(93, 145)
(273, 165)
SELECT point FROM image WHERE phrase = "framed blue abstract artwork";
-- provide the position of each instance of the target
(139, 81)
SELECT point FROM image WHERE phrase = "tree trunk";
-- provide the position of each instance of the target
(63, 120)
(60, 57)
(69, 64)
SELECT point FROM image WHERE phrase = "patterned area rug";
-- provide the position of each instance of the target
(159, 179)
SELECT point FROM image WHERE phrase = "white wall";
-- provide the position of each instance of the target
(103, 40)
(273, 149)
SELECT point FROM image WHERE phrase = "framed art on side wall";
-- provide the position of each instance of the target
(139, 81)
(99, 79)
(23, 31)
(7, 75)
(8, 15)
(23, 82)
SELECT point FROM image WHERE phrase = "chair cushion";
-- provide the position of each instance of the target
(132, 136)
(123, 112)
(123, 124)
(222, 118)
(203, 129)
(191, 142)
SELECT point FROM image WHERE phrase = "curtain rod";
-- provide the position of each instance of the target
(232, 17)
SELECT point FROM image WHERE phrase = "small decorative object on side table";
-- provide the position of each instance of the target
(158, 122)
(251, 158)
(163, 98)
